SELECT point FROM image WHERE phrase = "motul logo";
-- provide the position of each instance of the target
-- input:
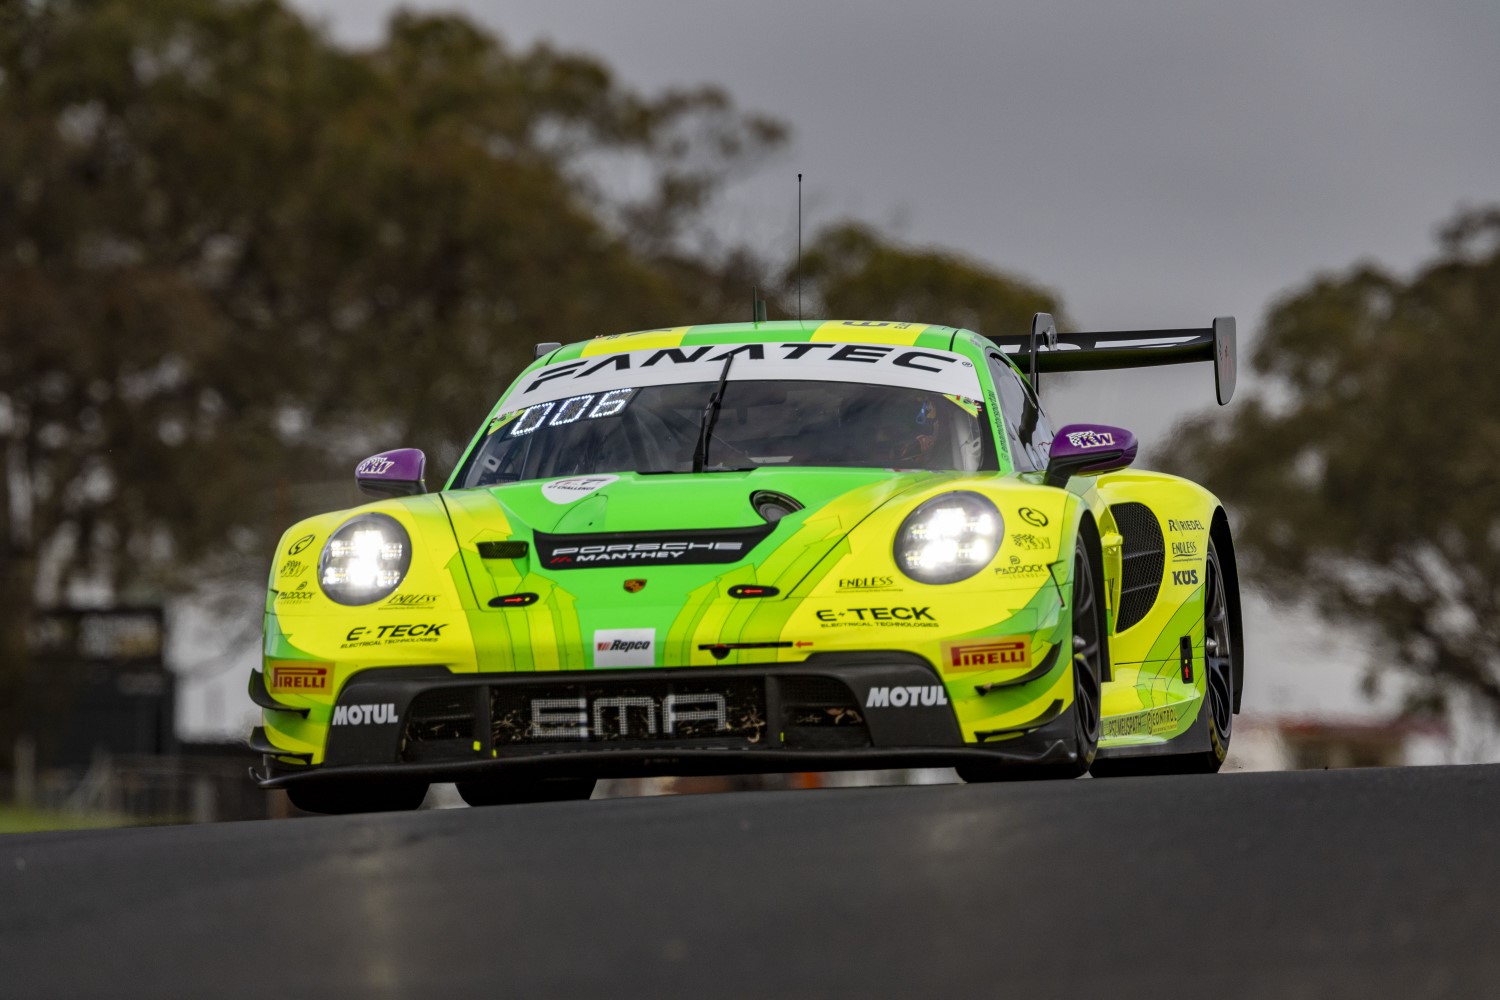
(903, 697)
(364, 715)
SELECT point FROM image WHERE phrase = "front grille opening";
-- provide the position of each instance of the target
(440, 725)
(820, 713)
(1143, 558)
(626, 715)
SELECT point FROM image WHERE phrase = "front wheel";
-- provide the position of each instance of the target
(1219, 670)
(1088, 670)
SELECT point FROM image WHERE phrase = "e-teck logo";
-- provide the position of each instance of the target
(624, 647)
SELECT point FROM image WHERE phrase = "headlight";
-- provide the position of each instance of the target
(949, 538)
(364, 560)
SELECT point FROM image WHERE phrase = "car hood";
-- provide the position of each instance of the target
(610, 527)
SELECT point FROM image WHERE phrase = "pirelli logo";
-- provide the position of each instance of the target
(297, 679)
(992, 655)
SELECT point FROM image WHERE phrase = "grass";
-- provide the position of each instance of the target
(18, 819)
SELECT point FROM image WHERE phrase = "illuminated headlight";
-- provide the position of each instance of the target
(364, 560)
(949, 538)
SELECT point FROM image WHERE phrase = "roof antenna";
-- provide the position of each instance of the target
(799, 247)
(757, 306)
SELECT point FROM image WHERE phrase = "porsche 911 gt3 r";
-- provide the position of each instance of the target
(759, 547)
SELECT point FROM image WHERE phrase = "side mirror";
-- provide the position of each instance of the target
(392, 473)
(1088, 449)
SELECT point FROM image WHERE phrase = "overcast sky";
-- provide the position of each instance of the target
(1155, 163)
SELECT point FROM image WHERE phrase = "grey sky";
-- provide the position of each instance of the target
(1156, 163)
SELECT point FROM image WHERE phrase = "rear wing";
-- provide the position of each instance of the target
(1050, 351)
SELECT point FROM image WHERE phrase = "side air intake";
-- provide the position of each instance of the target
(1143, 560)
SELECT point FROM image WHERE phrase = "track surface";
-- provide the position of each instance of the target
(1317, 884)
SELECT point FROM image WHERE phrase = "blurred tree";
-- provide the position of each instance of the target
(1365, 475)
(232, 252)
(851, 272)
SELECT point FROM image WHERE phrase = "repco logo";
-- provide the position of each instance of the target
(926, 695)
(1185, 577)
(621, 646)
(364, 715)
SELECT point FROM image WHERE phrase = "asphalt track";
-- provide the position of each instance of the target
(1380, 883)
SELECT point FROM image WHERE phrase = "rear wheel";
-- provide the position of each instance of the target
(1219, 673)
(510, 791)
(337, 797)
(1088, 669)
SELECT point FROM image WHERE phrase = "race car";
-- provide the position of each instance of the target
(754, 548)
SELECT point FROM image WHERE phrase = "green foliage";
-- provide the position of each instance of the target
(855, 274)
(233, 254)
(1365, 475)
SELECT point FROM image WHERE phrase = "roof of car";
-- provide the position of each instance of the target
(858, 331)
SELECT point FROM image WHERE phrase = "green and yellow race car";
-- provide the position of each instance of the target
(760, 547)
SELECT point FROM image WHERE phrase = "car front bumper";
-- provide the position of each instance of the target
(833, 711)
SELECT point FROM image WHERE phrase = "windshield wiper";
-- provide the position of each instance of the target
(710, 417)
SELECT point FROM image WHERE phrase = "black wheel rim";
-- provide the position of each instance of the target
(1088, 655)
(1218, 651)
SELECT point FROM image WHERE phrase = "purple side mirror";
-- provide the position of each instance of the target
(1088, 449)
(395, 473)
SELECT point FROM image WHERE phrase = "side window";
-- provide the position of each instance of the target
(1026, 426)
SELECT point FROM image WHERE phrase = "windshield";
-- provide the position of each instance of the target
(655, 428)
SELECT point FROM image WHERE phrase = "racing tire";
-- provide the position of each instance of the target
(344, 797)
(509, 791)
(1219, 648)
(1089, 636)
